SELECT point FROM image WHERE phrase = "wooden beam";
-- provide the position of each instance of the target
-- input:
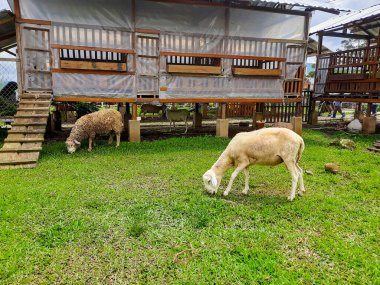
(343, 35)
(91, 99)
(228, 100)
(32, 21)
(242, 71)
(194, 69)
(55, 46)
(147, 31)
(16, 4)
(84, 71)
(346, 99)
(134, 111)
(93, 65)
(213, 55)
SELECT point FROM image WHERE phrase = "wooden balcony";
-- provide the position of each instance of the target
(351, 74)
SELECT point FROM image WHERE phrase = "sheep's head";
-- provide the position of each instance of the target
(72, 145)
(211, 181)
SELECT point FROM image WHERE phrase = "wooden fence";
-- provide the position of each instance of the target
(273, 112)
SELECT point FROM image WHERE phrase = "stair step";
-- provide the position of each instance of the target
(29, 124)
(41, 131)
(19, 161)
(377, 145)
(22, 101)
(374, 149)
(17, 150)
(35, 96)
(25, 140)
(33, 109)
(23, 116)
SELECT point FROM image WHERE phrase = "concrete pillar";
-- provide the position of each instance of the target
(297, 124)
(197, 118)
(314, 118)
(134, 130)
(222, 128)
(369, 125)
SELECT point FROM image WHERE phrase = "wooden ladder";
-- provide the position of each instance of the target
(22, 147)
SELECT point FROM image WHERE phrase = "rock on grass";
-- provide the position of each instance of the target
(331, 167)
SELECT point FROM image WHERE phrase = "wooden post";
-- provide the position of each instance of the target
(298, 109)
(369, 107)
(134, 111)
(223, 111)
(254, 116)
(197, 118)
(204, 110)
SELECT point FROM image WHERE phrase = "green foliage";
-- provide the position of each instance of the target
(7, 108)
(139, 214)
(84, 108)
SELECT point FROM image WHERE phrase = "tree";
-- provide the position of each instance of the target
(352, 44)
(311, 73)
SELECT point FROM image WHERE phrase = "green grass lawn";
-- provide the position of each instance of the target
(139, 214)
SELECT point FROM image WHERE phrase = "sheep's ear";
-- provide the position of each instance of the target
(214, 181)
(76, 142)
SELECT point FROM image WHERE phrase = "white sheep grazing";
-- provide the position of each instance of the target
(269, 146)
(103, 122)
(177, 116)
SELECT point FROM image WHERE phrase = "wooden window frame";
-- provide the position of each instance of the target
(92, 59)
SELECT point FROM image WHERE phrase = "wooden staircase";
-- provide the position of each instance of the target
(22, 147)
(376, 147)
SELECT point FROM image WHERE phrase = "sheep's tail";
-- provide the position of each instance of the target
(300, 151)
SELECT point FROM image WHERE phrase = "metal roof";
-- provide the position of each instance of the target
(7, 30)
(312, 48)
(324, 5)
(368, 18)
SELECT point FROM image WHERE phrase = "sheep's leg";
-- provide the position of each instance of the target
(170, 126)
(117, 139)
(291, 165)
(90, 143)
(302, 186)
(174, 125)
(186, 126)
(233, 176)
(246, 187)
(110, 139)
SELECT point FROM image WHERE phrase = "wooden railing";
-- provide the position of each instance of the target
(356, 72)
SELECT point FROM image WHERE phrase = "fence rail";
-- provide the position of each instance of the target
(273, 112)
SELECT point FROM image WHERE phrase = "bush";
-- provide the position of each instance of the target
(7, 108)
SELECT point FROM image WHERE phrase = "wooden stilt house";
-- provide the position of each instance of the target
(162, 51)
(350, 75)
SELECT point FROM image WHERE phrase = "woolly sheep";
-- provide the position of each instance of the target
(103, 122)
(177, 116)
(270, 146)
